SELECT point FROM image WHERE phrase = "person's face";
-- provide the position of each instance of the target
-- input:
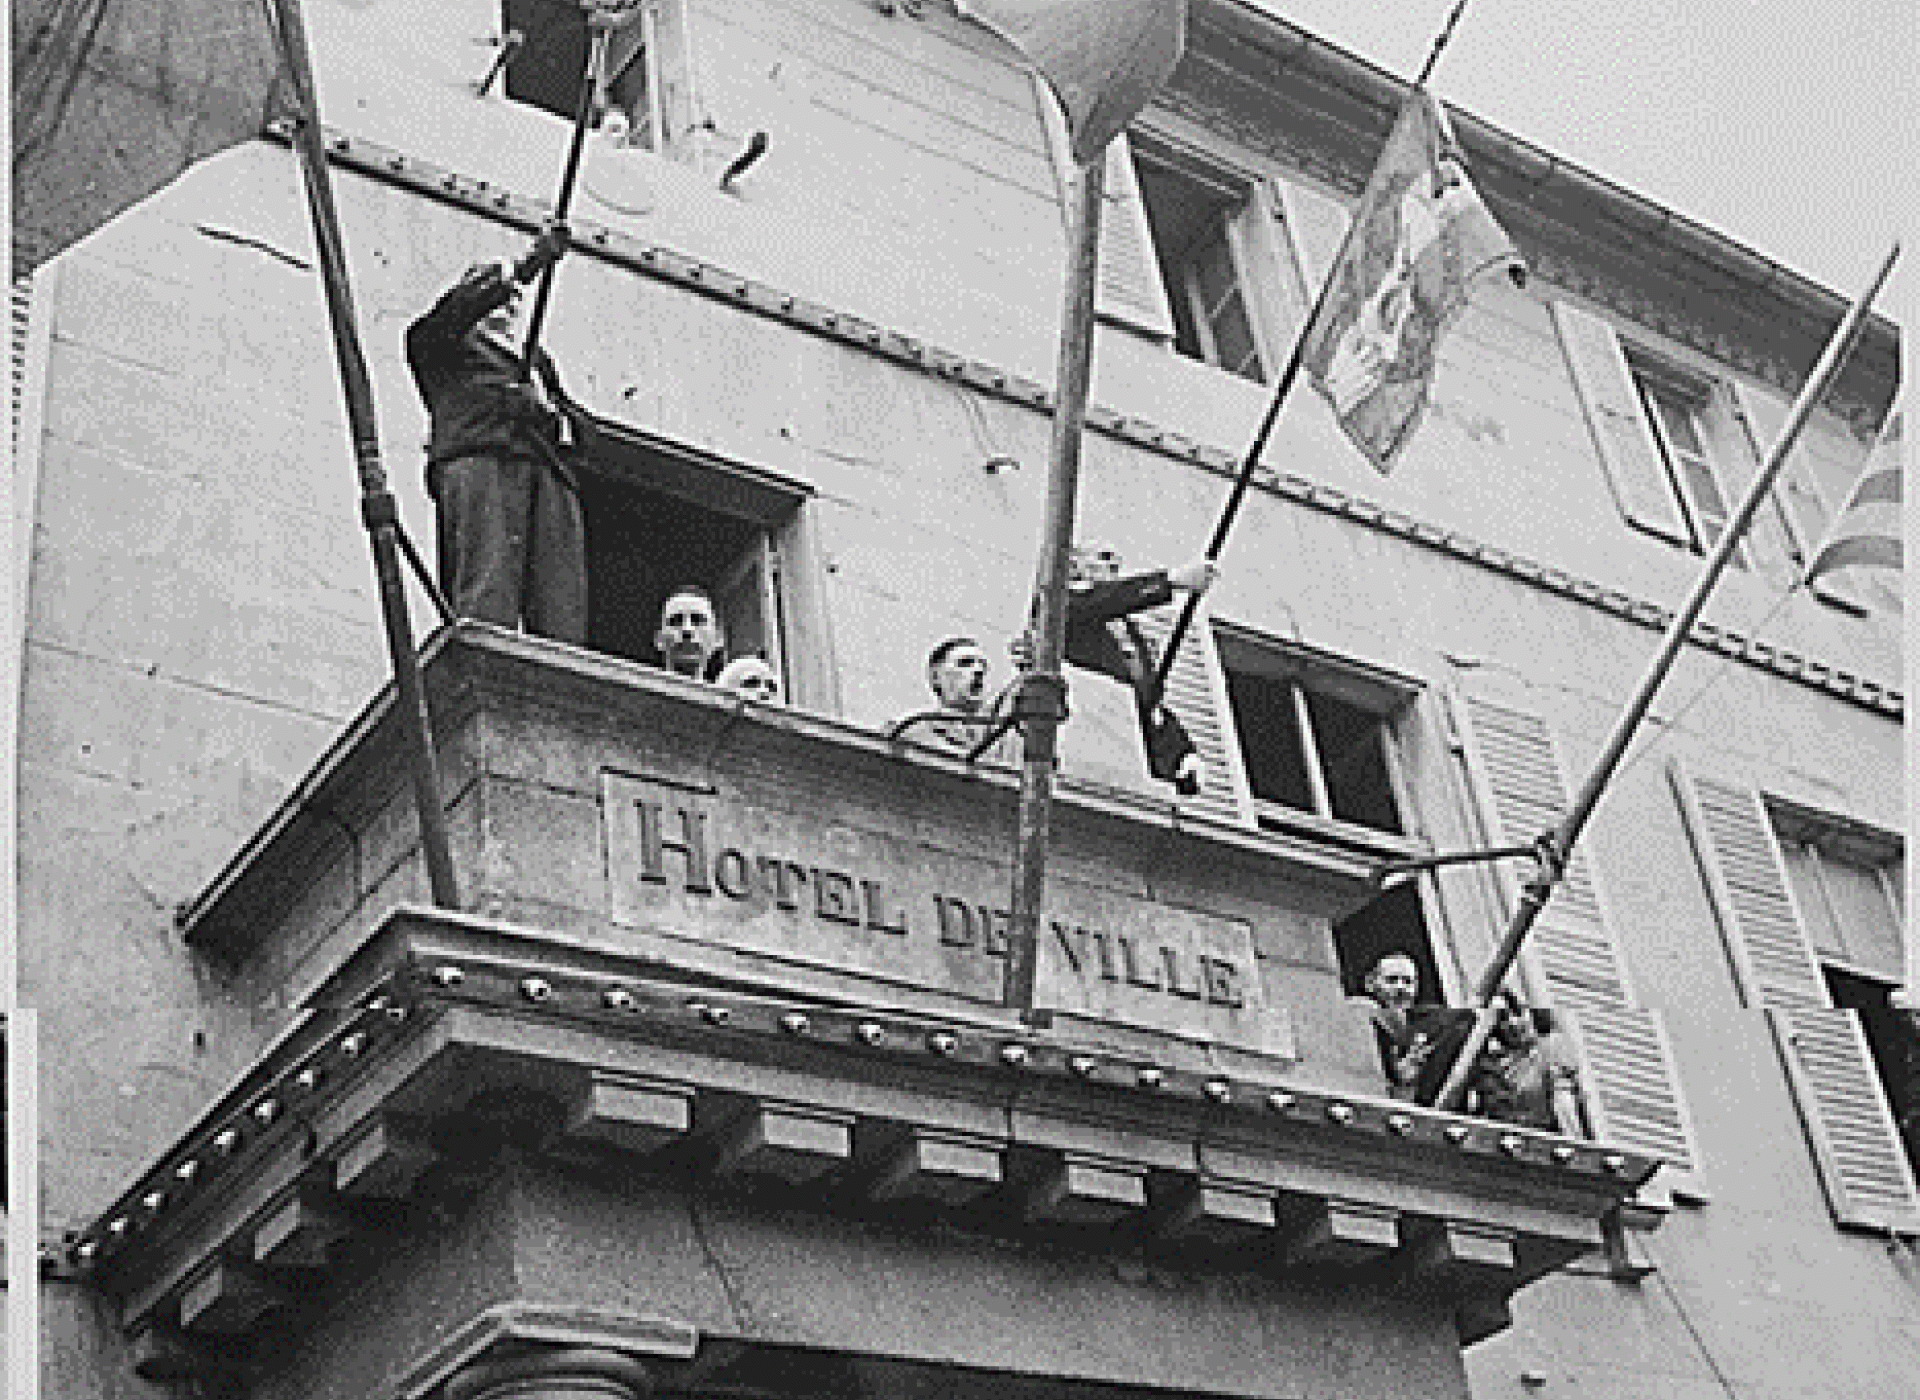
(1395, 983)
(755, 679)
(960, 678)
(689, 634)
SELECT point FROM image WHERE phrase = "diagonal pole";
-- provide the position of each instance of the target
(1250, 461)
(1555, 846)
(378, 511)
(1249, 464)
(1041, 700)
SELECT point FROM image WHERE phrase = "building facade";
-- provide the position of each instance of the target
(705, 1087)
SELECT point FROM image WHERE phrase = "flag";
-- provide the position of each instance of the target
(1866, 533)
(114, 98)
(1417, 242)
(1104, 59)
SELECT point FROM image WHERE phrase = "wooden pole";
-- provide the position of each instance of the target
(1556, 845)
(378, 511)
(589, 87)
(1042, 697)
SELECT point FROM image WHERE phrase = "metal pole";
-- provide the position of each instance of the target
(378, 511)
(589, 86)
(1042, 698)
(1558, 843)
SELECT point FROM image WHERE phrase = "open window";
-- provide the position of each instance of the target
(1208, 249)
(1675, 405)
(1316, 742)
(660, 515)
(547, 70)
(1314, 736)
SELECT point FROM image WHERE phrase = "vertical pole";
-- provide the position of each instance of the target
(378, 511)
(1043, 686)
(1557, 844)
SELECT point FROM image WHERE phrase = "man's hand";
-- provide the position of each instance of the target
(1021, 650)
(1196, 577)
(547, 248)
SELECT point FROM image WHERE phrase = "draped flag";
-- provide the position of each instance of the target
(114, 98)
(1104, 59)
(1419, 239)
(1866, 534)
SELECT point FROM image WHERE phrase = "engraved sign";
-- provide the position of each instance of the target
(825, 893)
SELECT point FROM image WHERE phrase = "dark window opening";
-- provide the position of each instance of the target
(1895, 1047)
(1191, 217)
(551, 64)
(1310, 750)
(1391, 923)
(657, 520)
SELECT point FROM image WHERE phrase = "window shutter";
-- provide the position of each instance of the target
(1797, 489)
(1129, 291)
(1634, 1100)
(1317, 225)
(1517, 782)
(1834, 1082)
(1856, 1147)
(1631, 1077)
(1752, 900)
(1197, 694)
(1635, 472)
(19, 322)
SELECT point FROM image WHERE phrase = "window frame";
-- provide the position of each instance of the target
(1254, 231)
(780, 552)
(663, 46)
(1387, 696)
(1691, 395)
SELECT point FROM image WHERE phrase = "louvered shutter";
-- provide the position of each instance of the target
(1856, 1147)
(1752, 901)
(1636, 473)
(1629, 1070)
(1835, 1085)
(1797, 488)
(20, 319)
(1631, 1077)
(1197, 694)
(1518, 782)
(1317, 225)
(1129, 291)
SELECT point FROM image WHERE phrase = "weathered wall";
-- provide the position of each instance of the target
(200, 621)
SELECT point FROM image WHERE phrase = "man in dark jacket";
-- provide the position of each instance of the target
(512, 536)
(1103, 636)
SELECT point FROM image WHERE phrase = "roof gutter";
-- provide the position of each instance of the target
(1754, 273)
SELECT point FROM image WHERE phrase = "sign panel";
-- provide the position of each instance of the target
(698, 865)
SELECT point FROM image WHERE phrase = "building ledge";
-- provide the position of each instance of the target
(444, 1038)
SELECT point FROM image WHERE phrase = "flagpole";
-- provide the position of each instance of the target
(378, 510)
(1555, 846)
(1040, 703)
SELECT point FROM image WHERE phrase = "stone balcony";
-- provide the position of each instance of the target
(724, 999)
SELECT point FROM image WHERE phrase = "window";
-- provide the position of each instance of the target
(1675, 410)
(1659, 430)
(1199, 219)
(552, 59)
(660, 515)
(1314, 740)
